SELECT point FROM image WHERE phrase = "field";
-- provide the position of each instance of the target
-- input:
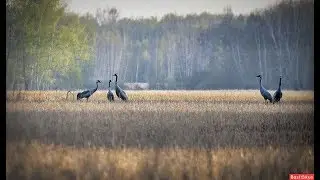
(224, 134)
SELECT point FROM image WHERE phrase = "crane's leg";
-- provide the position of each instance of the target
(87, 99)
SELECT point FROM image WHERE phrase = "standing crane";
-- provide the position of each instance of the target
(278, 94)
(110, 94)
(119, 92)
(265, 94)
(87, 93)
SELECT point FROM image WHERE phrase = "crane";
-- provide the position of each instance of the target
(119, 92)
(278, 94)
(265, 94)
(110, 94)
(87, 93)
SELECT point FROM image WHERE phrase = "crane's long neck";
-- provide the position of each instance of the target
(260, 82)
(94, 90)
(109, 84)
(280, 83)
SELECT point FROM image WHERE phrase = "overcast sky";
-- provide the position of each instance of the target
(147, 8)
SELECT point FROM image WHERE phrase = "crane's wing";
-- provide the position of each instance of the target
(277, 94)
(117, 93)
(123, 92)
(123, 95)
(85, 93)
(269, 96)
(265, 93)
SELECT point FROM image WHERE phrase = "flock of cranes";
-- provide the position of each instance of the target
(119, 92)
(123, 96)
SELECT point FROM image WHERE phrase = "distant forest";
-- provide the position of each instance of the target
(48, 47)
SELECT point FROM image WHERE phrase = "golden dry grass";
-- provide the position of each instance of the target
(40, 161)
(194, 96)
(159, 135)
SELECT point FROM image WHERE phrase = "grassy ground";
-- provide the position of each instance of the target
(159, 135)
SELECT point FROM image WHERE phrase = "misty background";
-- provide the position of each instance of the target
(50, 47)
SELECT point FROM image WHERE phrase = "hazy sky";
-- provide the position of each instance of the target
(147, 8)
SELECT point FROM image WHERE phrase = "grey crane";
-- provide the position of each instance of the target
(265, 94)
(110, 94)
(119, 92)
(87, 93)
(278, 94)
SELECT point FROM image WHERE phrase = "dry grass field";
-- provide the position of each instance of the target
(224, 134)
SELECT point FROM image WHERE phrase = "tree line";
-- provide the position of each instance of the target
(48, 47)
